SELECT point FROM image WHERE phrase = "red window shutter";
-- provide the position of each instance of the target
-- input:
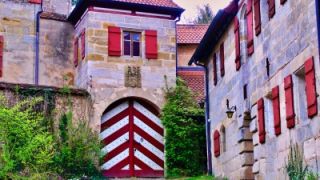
(250, 46)
(272, 8)
(35, 1)
(75, 51)
(83, 44)
(114, 41)
(237, 43)
(283, 1)
(261, 123)
(151, 44)
(216, 140)
(276, 110)
(311, 88)
(257, 17)
(215, 76)
(1, 55)
(222, 60)
(290, 115)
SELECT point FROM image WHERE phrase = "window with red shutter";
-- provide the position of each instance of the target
(151, 44)
(83, 44)
(35, 1)
(216, 141)
(222, 60)
(272, 8)
(283, 1)
(311, 88)
(214, 62)
(276, 110)
(75, 51)
(257, 17)
(250, 46)
(114, 41)
(1, 55)
(261, 122)
(290, 114)
(237, 43)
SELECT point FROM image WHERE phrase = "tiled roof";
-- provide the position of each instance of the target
(191, 33)
(160, 3)
(195, 81)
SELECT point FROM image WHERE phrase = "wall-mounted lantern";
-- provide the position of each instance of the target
(230, 110)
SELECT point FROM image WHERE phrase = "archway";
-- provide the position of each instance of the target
(132, 136)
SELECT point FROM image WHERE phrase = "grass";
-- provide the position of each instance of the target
(196, 178)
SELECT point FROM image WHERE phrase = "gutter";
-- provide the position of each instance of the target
(37, 44)
(176, 21)
(318, 23)
(207, 116)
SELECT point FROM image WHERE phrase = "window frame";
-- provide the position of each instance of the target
(131, 33)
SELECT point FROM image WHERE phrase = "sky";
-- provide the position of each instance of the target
(191, 7)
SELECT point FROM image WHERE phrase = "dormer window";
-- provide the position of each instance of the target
(131, 43)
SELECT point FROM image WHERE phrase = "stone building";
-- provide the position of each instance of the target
(188, 39)
(123, 52)
(262, 73)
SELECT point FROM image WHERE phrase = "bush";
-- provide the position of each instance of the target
(29, 150)
(185, 135)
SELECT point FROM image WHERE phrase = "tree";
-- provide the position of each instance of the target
(205, 15)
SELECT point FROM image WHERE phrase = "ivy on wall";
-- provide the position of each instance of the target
(185, 132)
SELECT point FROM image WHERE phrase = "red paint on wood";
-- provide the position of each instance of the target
(115, 119)
(261, 122)
(257, 17)
(149, 173)
(215, 75)
(149, 138)
(116, 173)
(290, 114)
(216, 140)
(311, 88)
(114, 41)
(75, 51)
(142, 165)
(83, 44)
(131, 139)
(120, 165)
(222, 60)
(116, 135)
(1, 55)
(276, 110)
(151, 44)
(116, 151)
(148, 122)
(237, 43)
(149, 154)
(35, 1)
(272, 8)
(249, 14)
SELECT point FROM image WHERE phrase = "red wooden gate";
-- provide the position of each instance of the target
(132, 136)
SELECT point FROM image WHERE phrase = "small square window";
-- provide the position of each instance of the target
(131, 43)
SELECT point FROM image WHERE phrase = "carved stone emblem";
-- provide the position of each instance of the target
(133, 77)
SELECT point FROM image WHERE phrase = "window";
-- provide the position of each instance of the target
(131, 43)
(223, 139)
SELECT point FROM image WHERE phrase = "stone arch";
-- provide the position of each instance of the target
(243, 32)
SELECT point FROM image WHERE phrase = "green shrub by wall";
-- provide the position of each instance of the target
(183, 119)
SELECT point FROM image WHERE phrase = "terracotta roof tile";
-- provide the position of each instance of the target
(195, 81)
(190, 33)
(160, 3)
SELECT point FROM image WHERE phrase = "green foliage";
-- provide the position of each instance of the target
(201, 178)
(31, 150)
(205, 15)
(295, 168)
(27, 146)
(78, 151)
(185, 135)
(312, 176)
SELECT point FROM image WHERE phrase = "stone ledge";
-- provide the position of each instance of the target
(58, 90)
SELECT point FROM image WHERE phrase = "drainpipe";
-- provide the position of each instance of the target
(177, 20)
(37, 44)
(207, 115)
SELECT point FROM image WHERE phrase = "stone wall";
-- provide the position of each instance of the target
(81, 105)
(287, 40)
(185, 52)
(104, 76)
(18, 26)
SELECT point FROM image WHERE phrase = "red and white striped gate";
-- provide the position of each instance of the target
(132, 136)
